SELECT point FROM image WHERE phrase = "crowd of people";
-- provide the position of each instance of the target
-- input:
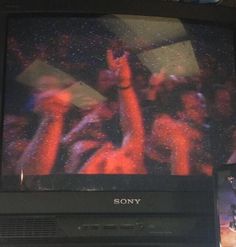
(150, 123)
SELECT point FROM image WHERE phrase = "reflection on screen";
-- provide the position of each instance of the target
(117, 94)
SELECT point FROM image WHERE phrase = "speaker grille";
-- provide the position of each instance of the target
(27, 227)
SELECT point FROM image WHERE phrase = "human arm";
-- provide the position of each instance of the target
(79, 129)
(180, 157)
(155, 84)
(85, 125)
(40, 155)
(130, 112)
(168, 134)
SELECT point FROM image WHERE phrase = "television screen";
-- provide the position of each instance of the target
(119, 95)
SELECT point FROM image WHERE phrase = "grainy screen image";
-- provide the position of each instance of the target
(117, 94)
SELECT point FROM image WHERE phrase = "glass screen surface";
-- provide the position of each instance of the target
(116, 95)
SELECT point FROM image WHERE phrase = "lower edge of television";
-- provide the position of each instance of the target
(96, 230)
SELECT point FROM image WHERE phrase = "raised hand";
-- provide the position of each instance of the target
(53, 103)
(157, 78)
(120, 66)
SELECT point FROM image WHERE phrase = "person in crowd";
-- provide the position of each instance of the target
(177, 143)
(14, 141)
(157, 94)
(223, 123)
(90, 133)
(40, 155)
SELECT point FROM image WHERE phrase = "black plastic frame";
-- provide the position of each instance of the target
(163, 199)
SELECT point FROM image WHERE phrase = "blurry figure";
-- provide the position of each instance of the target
(222, 106)
(90, 124)
(106, 80)
(14, 126)
(157, 95)
(210, 73)
(42, 52)
(208, 66)
(156, 82)
(63, 46)
(87, 136)
(15, 48)
(161, 85)
(153, 98)
(230, 84)
(178, 142)
(17, 130)
(140, 78)
(42, 84)
(14, 142)
(89, 133)
(40, 155)
(223, 124)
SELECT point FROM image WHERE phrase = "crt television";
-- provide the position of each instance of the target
(113, 117)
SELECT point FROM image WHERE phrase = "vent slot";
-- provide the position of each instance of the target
(10, 4)
(27, 227)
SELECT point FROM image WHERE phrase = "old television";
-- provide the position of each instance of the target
(113, 116)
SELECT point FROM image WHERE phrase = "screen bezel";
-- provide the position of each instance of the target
(98, 202)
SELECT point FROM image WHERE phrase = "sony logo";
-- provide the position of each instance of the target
(126, 201)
